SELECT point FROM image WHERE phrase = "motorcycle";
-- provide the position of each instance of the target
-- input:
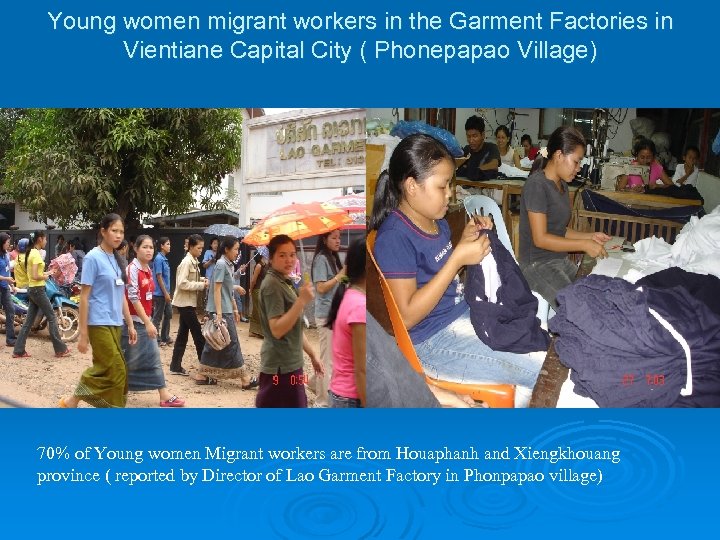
(67, 312)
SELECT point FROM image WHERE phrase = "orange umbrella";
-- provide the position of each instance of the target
(355, 206)
(298, 221)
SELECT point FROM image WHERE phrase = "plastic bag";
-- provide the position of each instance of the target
(216, 334)
(403, 129)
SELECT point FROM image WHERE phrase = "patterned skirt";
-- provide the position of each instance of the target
(104, 384)
(227, 363)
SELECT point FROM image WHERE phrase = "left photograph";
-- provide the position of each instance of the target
(182, 257)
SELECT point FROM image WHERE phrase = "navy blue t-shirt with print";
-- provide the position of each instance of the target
(403, 251)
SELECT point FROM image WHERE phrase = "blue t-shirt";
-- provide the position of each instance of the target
(4, 270)
(161, 266)
(209, 254)
(403, 251)
(101, 271)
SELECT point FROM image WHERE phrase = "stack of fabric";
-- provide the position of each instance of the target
(652, 344)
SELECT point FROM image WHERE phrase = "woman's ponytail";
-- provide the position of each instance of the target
(385, 201)
(539, 163)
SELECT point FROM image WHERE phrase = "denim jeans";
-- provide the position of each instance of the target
(456, 354)
(239, 303)
(549, 277)
(339, 402)
(38, 301)
(9, 309)
(162, 311)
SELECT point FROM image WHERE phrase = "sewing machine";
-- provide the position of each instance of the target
(618, 165)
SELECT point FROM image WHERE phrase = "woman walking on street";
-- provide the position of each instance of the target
(327, 273)
(282, 381)
(188, 284)
(347, 320)
(143, 359)
(38, 300)
(255, 281)
(103, 307)
(227, 363)
(162, 301)
(6, 290)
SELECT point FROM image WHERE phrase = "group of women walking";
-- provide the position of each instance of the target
(116, 306)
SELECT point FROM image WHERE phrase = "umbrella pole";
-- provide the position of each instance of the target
(305, 273)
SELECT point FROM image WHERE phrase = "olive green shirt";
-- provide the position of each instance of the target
(284, 355)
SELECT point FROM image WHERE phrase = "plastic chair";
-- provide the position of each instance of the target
(494, 395)
(475, 203)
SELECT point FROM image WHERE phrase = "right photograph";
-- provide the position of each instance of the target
(551, 258)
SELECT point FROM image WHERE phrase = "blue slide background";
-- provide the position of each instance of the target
(666, 480)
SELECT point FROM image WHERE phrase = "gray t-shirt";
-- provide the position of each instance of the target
(322, 271)
(222, 273)
(541, 195)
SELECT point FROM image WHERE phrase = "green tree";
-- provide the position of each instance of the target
(8, 119)
(76, 165)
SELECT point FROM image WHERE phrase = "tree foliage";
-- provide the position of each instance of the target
(8, 119)
(76, 165)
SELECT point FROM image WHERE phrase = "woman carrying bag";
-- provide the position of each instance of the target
(227, 363)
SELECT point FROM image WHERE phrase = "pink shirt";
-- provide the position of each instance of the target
(352, 311)
(655, 174)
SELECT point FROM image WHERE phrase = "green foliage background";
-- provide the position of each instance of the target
(76, 165)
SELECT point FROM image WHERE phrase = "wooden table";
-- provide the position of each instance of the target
(489, 184)
(646, 200)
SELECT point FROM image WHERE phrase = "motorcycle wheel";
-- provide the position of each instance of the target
(69, 323)
(19, 320)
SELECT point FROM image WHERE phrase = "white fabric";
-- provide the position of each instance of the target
(696, 248)
(512, 172)
(698, 239)
(687, 391)
(526, 162)
(652, 249)
(680, 172)
(608, 267)
(492, 278)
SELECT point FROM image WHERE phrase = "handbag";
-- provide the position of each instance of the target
(216, 334)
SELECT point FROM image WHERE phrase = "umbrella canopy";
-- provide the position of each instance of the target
(354, 205)
(224, 229)
(298, 221)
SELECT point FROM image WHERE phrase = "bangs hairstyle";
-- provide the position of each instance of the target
(332, 256)
(277, 241)
(105, 224)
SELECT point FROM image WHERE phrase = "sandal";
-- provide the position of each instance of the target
(21, 355)
(173, 402)
(254, 383)
(208, 381)
(66, 352)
